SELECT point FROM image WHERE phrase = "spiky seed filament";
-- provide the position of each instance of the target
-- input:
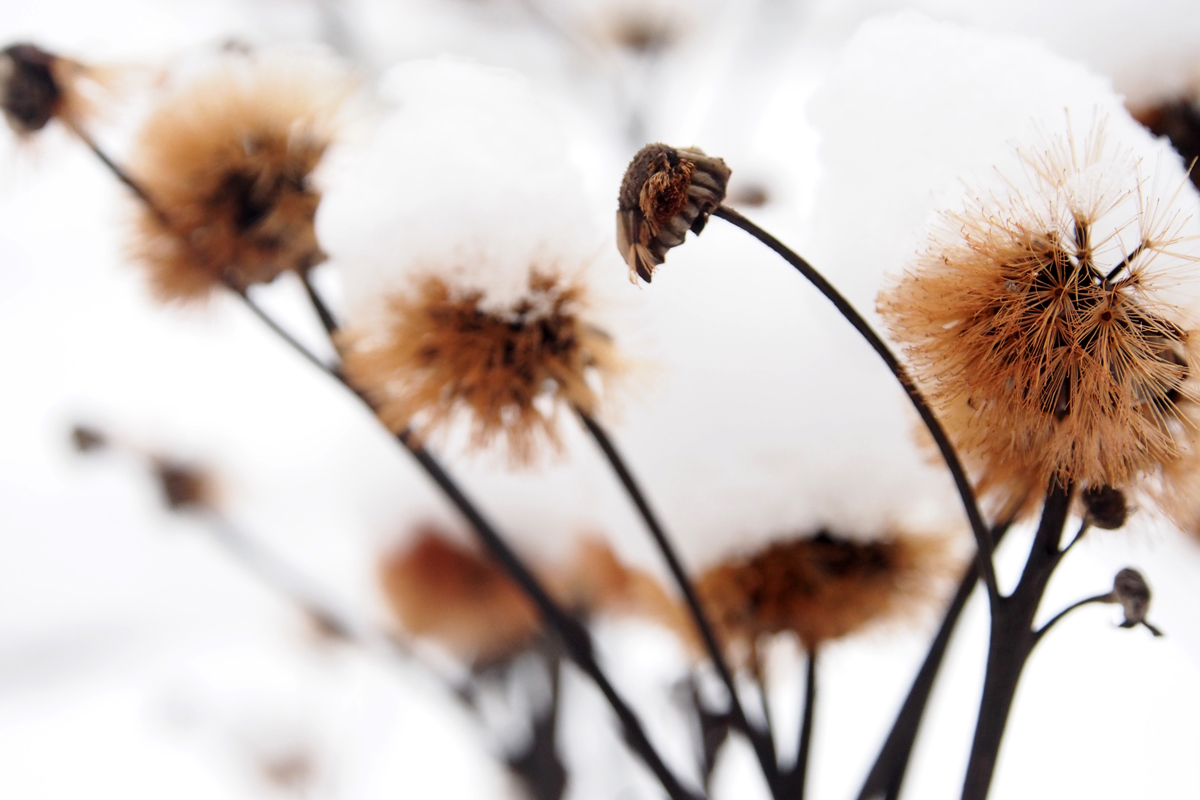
(440, 355)
(1043, 361)
(665, 193)
(228, 162)
(819, 588)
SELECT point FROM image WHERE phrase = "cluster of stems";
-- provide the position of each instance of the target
(1012, 637)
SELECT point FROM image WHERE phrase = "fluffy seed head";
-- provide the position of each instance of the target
(820, 588)
(666, 192)
(228, 160)
(441, 354)
(1037, 325)
(439, 589)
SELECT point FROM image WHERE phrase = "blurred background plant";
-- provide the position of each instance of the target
(315, 662)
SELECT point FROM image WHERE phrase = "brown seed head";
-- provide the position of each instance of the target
(185, 487)
(442, 355)
(86, 439)
(37, 86)
(1043, 358)
(229, 162)
(598, 582)
(666, 192)
(442, 590)
(820, 588)
(1130, 590)
(1105, 507)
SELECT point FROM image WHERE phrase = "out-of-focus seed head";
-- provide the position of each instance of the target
(820, 588)
(1035, 326)
(229, 162)
(1177, 119)
(1130, 590)
(439, 589)
(87, 439)
(1105, 507)
(37, 86)
(184, 487)
(666, 192)
(442, 355)
(598, 582)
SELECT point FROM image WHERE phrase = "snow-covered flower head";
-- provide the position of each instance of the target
(228, 161)
(1046, 321)
(464, 241)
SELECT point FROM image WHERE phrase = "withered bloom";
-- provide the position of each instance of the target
(37, 86)
(458, 597)
(228, 161)
(1131, 591)
(666, 192)
(442, 353)
(184, 487)
(820, 588)
(1104, 507)
(1036, 328)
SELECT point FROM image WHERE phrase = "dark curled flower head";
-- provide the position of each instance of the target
(666, 192)
(37, 86)
(228, 160)
(820, 588)
(1130, 590)
(1044, 327)
(1105, 507)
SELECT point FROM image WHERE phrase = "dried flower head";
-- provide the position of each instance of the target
(443, 353)
(439, 589)
(87, 439)
(599, 582)
(1038, 326)
(1130, 590)
(1104, 507)
(37, 86)
(820, 588)
(666, 192)
(185, 487)
(228, 161)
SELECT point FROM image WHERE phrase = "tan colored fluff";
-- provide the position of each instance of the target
(600, 583)
(820, 588)
(1039, 364)
(439, 589)
(229, 160)
(440, 355)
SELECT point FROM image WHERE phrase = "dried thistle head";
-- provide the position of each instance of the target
(458, 597)
(666, 192)
(1130, 590)
(1037, 326)
(37, 86)
(440, 354)
(1104, 507)
(820, 588)
(229, 160)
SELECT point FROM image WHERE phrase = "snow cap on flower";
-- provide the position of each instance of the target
(1038, 142)
(464, 242)
(666, 192)
(228, 161)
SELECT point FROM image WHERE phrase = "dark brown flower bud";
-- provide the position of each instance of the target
(1105, 507)
(86, 439)
(666, 192)
(1131, 591)
(30, 92)
(184, 486)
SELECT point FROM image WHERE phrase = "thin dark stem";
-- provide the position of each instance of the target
(887, 773)
(1083, 528)
(983, 539)
(763, 747)
(1011, 642)
(327, 319)
(797, 779)
(1100, 598)
(120, 173)
(282, 333)
(573, 635)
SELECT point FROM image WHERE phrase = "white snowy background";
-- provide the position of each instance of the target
(137, 660)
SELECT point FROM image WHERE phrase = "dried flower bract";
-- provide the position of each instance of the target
(666, 192)
(820, 588)
(439, 589)
(1035, 325)
(37, 86)
(441, 354)
(228, 161)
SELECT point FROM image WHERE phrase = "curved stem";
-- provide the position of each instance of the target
(328, 321)
(759, 739)
(983, 539)
(574, 636)
(1042, 631)
(798, 777)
